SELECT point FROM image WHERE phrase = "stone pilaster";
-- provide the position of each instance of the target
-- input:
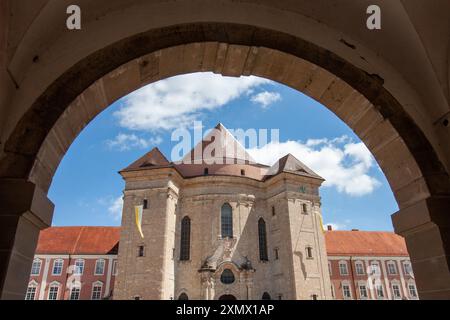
(24, 211)
(426, 228)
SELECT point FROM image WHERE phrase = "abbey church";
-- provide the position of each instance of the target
(221, 226)
(216, 225)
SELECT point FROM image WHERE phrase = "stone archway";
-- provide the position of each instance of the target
(43, 134)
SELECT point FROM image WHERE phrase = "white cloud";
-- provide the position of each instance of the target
(115, 208)
(266, 98)
(344, 165)
(125, 142)
(178, 101)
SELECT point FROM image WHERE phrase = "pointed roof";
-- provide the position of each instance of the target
(218, 144)
(291, 164)
(220, 147)
(153, 158)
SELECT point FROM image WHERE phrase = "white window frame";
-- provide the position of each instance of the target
(399, 296)
(330, 269)
(72, 289)
(54, 266)
(54, 285)
(377, 286)
(375, 264)
(343, 263)
(96, 285)
(39, 261)
(333, 292)
(412, 284)
(406, 266)
(359, 266)
(394, 266)
(360, 287)
(32, 285)
(103, 268)
(350, 297)
(76, 270)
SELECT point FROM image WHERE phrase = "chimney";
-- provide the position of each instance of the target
(329, 227)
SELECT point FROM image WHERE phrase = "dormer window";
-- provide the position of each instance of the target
(242, 172)
(206, 172)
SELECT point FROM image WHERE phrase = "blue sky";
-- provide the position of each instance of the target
(87, 188)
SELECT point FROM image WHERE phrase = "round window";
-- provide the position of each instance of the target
(227, 277)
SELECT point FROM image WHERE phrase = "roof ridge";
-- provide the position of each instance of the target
(78, 239)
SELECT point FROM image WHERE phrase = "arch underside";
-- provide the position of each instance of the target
(45, 133)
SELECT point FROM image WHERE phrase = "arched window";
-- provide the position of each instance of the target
(97, 289)
(227, 221)
(75, 292)
(183, 296)
(53, 291)
(262, 240)
(185, 241)
(227, 277)
(266, 296)
(412, 290)
(31, 291)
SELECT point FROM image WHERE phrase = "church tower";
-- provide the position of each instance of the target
(217, 225)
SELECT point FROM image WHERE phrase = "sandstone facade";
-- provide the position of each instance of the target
(277, 244)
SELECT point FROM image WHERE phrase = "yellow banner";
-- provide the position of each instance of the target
(138, 213)
(321, 223)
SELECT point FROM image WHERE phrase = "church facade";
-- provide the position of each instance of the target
(220, 226)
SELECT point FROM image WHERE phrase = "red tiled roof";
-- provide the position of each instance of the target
(103, 240)
(365, 243)
(78, 240)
